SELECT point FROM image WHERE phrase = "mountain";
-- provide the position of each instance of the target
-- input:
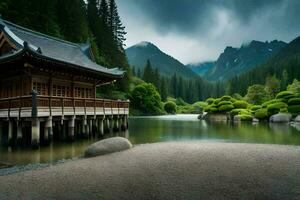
(285, 65)
(167, 65)
(201, 68)
(235, 61)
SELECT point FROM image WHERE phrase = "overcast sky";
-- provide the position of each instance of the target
(198, 30)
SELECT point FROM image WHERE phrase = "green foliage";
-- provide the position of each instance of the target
(257, 94)
(294, 87)
(255, 107)
(226, 98)
(224, 103)
(217, 101)
(245, 117)
(294, 101)
(226, 107)
(199, 106)
(180, 102)
(275, 107)
(261, 113)
(240, 104)
(170, 107)
(284, 94)
(265, 104)
(239, 111)
(210, 100)
(294, 109)
(237, 96)
(146, 98)
(272, 86)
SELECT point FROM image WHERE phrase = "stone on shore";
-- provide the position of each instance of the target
(281, 118)
(297, 119)
(107, 146)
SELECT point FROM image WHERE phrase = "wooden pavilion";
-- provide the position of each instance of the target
(48, 89)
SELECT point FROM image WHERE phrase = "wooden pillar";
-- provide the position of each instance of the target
(48, 130)
(1, 132)
(111, 124)
(10, 132)
(19, 133)
(101, 127)
(116, 123)
(123, 125)
(35, 133)
(84, 127)
(90, 125)
(71, 128)
(106, 124)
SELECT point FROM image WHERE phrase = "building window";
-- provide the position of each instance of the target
(40, 88)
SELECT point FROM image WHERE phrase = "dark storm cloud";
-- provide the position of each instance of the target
(187, 15)
(205, 27)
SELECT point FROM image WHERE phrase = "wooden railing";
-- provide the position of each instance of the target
(62, 102)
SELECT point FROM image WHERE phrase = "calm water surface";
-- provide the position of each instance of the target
(163, 128)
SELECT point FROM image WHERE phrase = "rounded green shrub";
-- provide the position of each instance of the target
(235, 112)
(239, 111)
(217, 101)
(284, 94)
(213, 109)
(224, 103)
(245, 117)
(170, 107)
(283, 110)
(294, 101)
(210, 100)
(255, 107)
(240, 104)
(227, 107)
(265, 104)
(294, 109)
(275, 107)
(226, 98)
(261, 113)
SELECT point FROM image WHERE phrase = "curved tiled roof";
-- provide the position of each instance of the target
(55, 49)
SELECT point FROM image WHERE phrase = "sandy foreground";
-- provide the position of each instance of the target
(172, 170)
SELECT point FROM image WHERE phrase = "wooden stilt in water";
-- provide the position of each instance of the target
(35, 133)
(116, 124)
(19, 133)
(71, 129)
(1, 132)
(48, 131)
(10, 133)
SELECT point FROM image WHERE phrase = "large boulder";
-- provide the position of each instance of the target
(281, 118)
(107, 146)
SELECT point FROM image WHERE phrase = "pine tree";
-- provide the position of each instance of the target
(148, 72)
(72, 20)
(163, 89)
(115, 24)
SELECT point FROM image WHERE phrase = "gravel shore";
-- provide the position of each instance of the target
(172, 170)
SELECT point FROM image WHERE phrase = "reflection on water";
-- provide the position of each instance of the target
(164, 128)
(188, 127)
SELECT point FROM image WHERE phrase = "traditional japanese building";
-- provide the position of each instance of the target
(48, 89)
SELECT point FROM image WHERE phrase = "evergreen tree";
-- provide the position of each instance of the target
(148, 72)
(139, 73)
(72, 20)
(156, 79)
(116, 25)
(272, 86)
(174, 86)
(163, 89)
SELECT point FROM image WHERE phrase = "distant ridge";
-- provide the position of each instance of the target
(167, 65)
(236, 61)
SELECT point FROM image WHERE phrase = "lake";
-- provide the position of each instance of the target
(159, 129)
